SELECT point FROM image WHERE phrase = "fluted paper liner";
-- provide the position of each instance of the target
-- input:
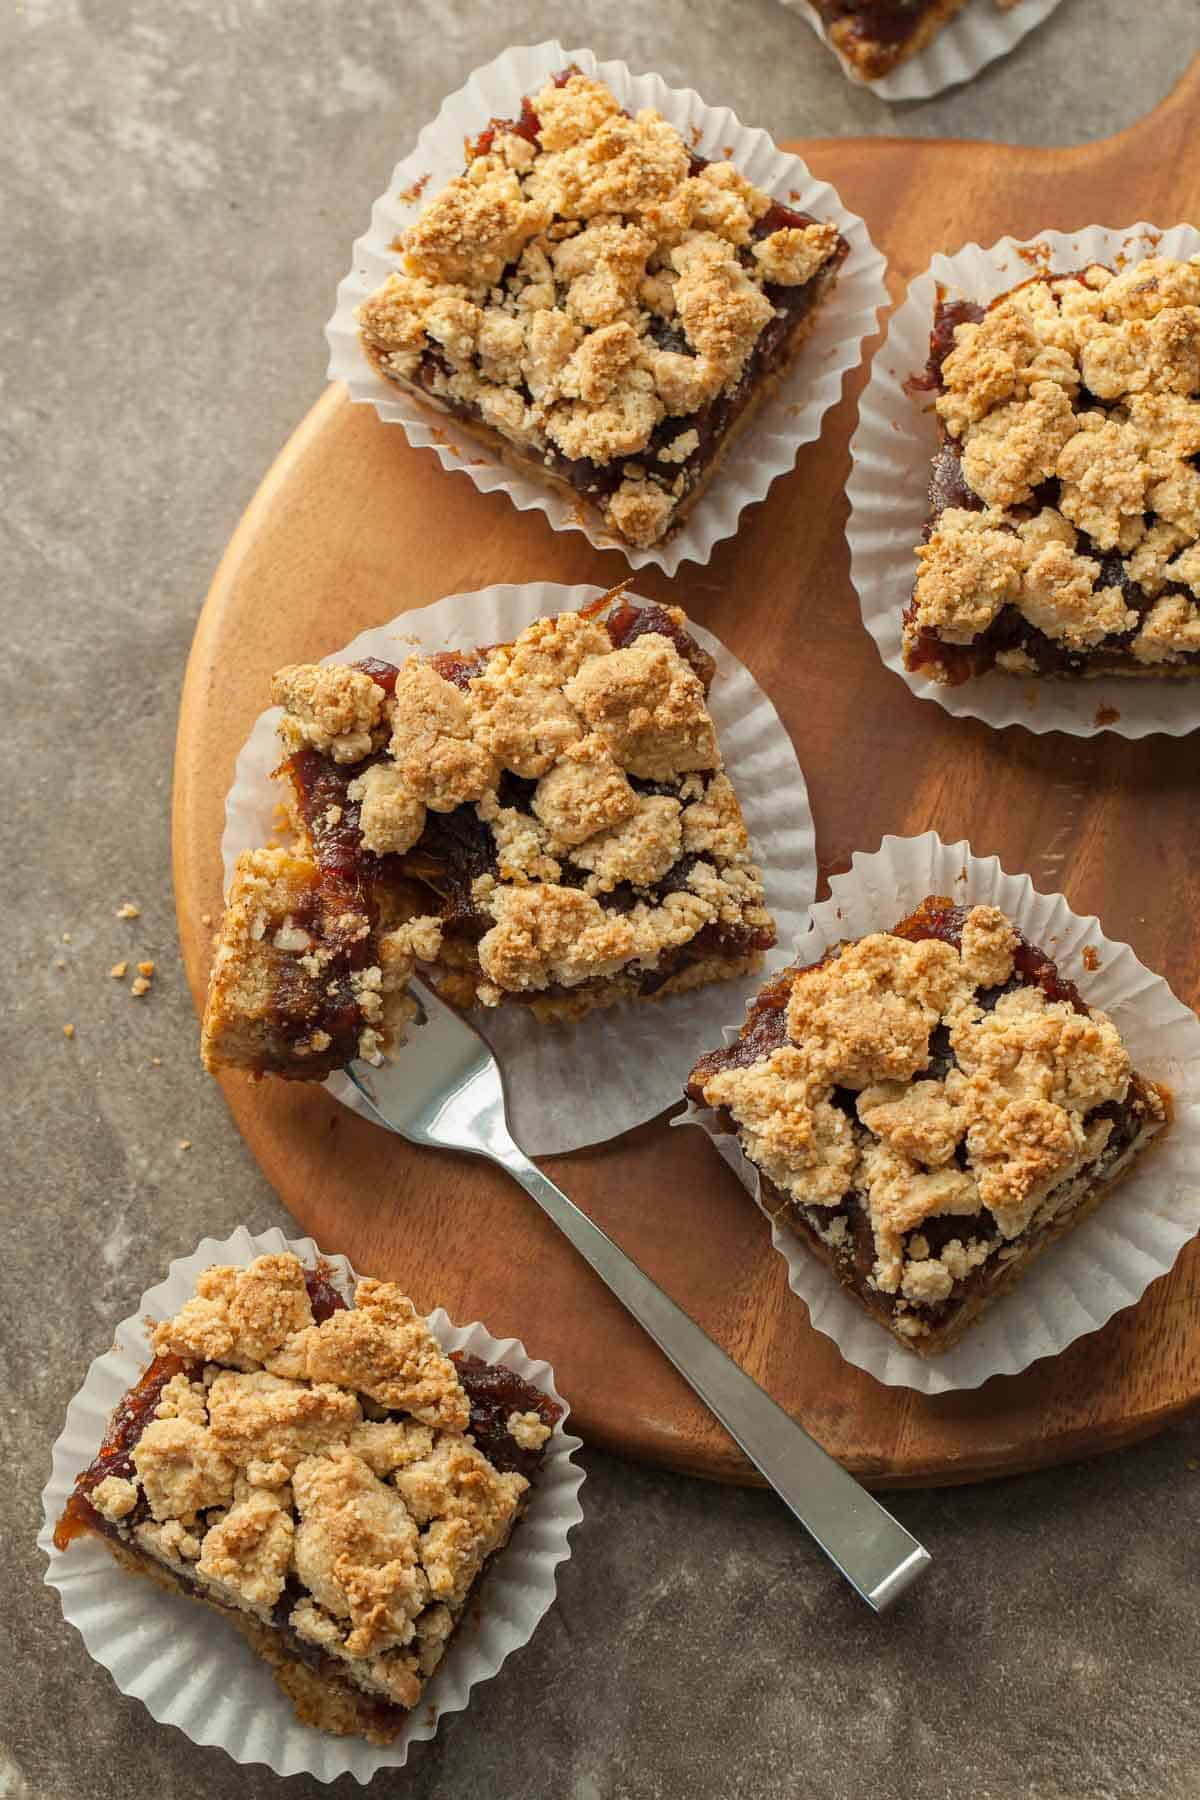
(790, 417)
(961, 48)
(1109, 1260)
(888, 490)
(189, 1666)
(569, 1085)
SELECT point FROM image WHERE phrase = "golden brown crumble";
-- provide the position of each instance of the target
(562, 707)
(542, 278)
(1092, 383)
(1006, 1129)
(279, 1468)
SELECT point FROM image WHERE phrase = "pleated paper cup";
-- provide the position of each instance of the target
(190, 1667)
(976, 36)
(1109, 1260)
(573, 1084)
(787, 419)
(891, 451)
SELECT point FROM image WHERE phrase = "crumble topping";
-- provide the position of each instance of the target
(560, 707)
(1091, 384)
(329, 1463)
(854, 1102)
(541, 278)
(336, 710)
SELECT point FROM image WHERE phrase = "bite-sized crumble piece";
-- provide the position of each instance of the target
(1064, 537)
(548, 822)
(599, 304)
(323, 1474)
(876, 36)
(928, 1108)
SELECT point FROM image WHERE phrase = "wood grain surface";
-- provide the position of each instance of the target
(352, 526)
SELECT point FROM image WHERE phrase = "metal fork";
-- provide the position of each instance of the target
(446, 1092)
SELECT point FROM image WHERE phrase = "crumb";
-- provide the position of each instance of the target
(156, 1062)
(129, 911)
(146, 968)
(793, 193)
(206, 918)
(66, 938)
(726, 150)
(68, 1031)
(139, 986)
(1091, 960)
(1107, 715)
(60, 962)
(119, 971)
(185, 1143)
(412, 193)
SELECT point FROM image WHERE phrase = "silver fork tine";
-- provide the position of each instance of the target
(445, 1091)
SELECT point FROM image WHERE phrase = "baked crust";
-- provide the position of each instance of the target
(312, 1470)
(876, 36)
(1064, 539)
(601, 300)
(548, 822)
(928, 1108)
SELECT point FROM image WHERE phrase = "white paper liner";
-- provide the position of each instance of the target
(569, 1085)
(967, 43)
(1103, 1264)
(888, 490)
(789, 418)
(188, 1665)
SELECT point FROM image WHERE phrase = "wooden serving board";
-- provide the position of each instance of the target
(351, 526)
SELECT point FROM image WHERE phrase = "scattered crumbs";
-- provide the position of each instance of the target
(397, 244)
(437, 434)
(206, 918)
(1091, 959)
(412, 193)
(1107, 715)
(66, 937)
(727, 150)
(454, 449)
(185, 1143)
(695, 133)
(129, 911)
(477, 462)
(68, 1031)
(139, 986)
(795, 409)
(145, 968)
(793, 193)
(60, 962)
(119, 971)
(578, 514)
(272, 843)
(1038, 255)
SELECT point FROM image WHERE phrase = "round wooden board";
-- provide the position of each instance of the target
(351, 526)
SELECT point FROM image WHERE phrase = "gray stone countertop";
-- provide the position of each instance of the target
(182, 183)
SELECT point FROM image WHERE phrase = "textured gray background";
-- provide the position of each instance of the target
(183, 182)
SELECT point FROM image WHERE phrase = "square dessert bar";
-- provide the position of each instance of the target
(547, 821)
(928, 1109)
(876, 36)
(600, 305)
(323, 1475)
(1064, 538)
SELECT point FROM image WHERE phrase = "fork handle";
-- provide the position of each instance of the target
(872, 1549)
